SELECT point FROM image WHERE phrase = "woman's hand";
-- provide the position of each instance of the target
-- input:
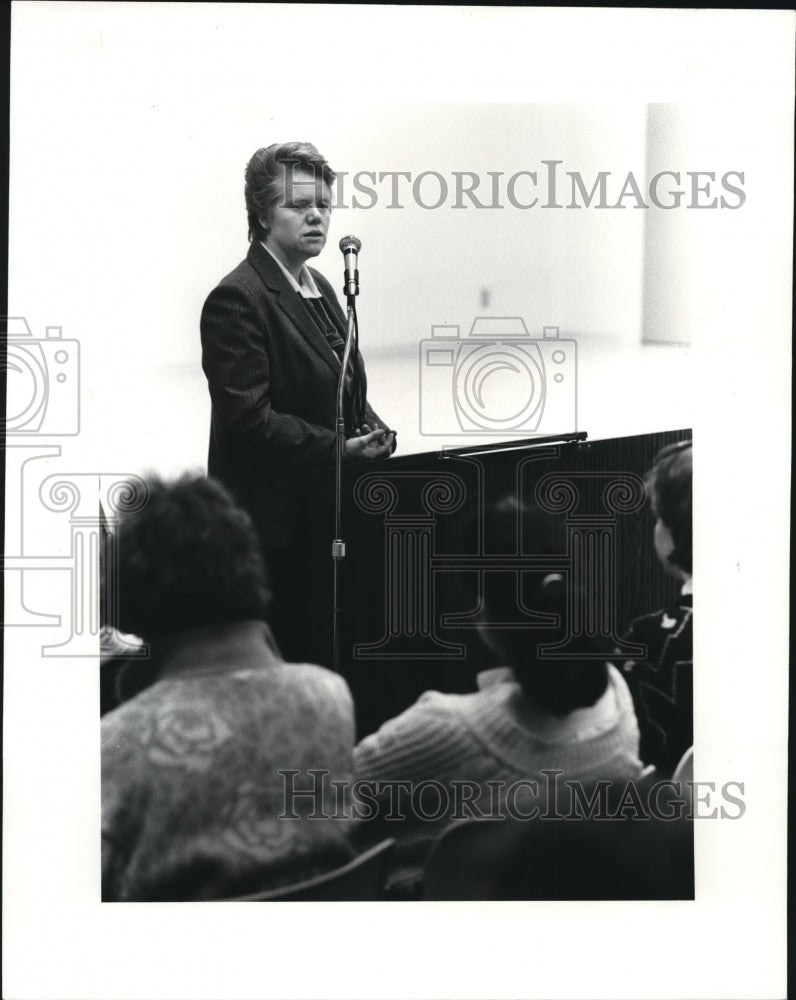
(369, 444)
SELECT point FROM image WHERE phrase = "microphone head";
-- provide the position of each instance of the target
(350, 243)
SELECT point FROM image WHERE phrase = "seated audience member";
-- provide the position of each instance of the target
(529, 715)
(116, 650)
(662, 683)
(191, 787)
(116, 653)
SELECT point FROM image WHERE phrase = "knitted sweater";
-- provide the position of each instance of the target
(191, 790)
(495, 735)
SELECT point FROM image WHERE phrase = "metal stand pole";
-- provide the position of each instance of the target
(338, 545)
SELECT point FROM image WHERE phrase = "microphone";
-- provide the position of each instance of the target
(350, 246)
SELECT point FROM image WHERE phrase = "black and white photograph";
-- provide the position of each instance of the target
(397, 470)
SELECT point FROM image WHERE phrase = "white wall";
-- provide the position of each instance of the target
(139, 155)
(131, 129)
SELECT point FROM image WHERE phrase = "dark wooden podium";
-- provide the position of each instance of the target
(419, 553)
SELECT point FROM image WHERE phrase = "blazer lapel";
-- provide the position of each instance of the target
(291, 304)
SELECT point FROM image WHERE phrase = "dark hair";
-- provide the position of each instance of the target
(189, 557)
(265, 178)
(557, 685)
(669, 490)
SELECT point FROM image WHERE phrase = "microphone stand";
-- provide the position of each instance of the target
(338, 545)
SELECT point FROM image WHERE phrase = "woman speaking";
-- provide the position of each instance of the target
(273, 335)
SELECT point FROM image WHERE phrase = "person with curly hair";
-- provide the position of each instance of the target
(192, 790)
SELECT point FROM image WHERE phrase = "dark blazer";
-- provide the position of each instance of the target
(272, 378)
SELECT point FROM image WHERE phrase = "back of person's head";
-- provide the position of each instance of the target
(669, 490)
(265, 178)
(557, 681)
(189, 558)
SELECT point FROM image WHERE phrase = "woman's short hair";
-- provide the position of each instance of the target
(669, 490)
(188, 558)
(265, 173)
